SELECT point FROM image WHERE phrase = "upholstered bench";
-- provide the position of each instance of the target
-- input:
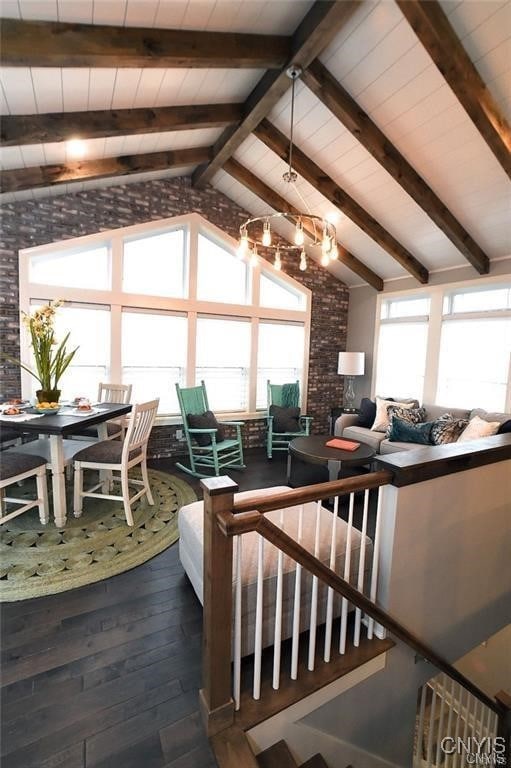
(191, 556)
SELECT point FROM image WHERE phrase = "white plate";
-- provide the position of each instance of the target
(76, 412)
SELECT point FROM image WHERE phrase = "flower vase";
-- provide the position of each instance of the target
(48, 395)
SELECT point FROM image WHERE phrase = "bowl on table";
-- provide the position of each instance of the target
(47, 408)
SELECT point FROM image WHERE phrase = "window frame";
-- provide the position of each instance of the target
(437, 294)
(116, 299)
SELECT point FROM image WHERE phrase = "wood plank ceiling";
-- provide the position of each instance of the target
(401, 125)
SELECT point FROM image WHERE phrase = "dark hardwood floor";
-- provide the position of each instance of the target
(108, 675)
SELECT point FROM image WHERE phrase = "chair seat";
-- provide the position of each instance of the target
(14, 464)
(219, 446)
(104, 452)
(7, 434)
(111, 428)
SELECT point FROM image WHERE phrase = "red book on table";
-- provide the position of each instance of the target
(344, 445)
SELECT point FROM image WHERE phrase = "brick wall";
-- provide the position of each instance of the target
(36, 222)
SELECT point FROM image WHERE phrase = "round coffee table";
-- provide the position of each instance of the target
(313, 450)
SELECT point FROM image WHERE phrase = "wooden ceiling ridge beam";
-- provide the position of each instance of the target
(61, 44)
(314, 33)
(16, 130)
(279, 203)
(48, 175)
(278, 143)
(433, 29)
(322, 83)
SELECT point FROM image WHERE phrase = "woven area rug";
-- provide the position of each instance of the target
(38, 560)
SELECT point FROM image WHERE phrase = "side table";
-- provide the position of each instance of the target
(334, 415)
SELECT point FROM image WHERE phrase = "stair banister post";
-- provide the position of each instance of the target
(216, 703)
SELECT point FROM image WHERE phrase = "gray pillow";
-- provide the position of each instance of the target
(285, 419)
(206, 420)
(490, 415)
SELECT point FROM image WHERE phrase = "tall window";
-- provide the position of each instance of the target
(156, 305)
(402, 344)
(475, 349)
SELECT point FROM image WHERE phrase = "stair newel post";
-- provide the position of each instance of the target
(216, 700)
(504, 722)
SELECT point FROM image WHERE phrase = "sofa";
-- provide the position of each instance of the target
(346, 426)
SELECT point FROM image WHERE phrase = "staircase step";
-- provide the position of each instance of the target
(316, 761)
(277, 756)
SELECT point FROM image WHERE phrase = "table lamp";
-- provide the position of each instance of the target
(350, 364)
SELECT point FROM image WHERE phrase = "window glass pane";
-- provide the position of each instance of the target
(154, 356)
(405, 308)
(474, 363)
(280, 356)
(480, 301)
(155, 265)
(89, 329)
(401, 360)
(221, 276)
(223, 360)
(73, 269)
(274, 293)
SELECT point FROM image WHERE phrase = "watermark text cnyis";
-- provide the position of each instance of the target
(488, 750)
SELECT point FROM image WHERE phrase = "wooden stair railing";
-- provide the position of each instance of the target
(224, 518)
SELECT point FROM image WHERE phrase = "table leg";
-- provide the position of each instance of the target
(288, 471)
(334, 467)
(58, 480)
(105, 475)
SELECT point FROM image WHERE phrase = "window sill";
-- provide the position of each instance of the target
(162, 421)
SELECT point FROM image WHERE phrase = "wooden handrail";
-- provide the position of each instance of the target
(294, 496)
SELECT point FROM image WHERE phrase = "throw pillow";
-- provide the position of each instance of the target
(381, 420)
(285, 419)
(477, 428)
(447, 429)
(505, 428)
(489, 415)
(411, 415)
(404, 431)
(367, 413)
(206, 420)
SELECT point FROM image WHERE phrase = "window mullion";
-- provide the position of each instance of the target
(254, 348)
(192, 349)
(433, 348)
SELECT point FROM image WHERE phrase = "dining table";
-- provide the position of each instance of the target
(53, 431)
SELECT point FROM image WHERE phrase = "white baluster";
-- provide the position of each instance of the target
(429, 751)
(439, 737)
(258, 639)
(361, 568)
(314, 595)
(237, 625)
(420, 729)
(495, 724)
(297, 603)
(487, 728)
(376, 555)
(278, 614)
(330, 593)
(467, 712)
(347, 569)
(459, 721)
(451, 714)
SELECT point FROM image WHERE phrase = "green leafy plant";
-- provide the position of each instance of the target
(51, 357)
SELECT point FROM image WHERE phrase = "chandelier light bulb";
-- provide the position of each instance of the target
(299, 238)
(277, 263)
(266, 234)
(243, 244)
(253, 257)
(303, 261)
(325, 259)
(334, 252)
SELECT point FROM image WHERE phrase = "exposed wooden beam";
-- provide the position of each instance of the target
(58, 44)
(279, 144)
(313, 34)
(61, 126)
(47, 175)
(279, 203)
(332, 94)
(434, 31)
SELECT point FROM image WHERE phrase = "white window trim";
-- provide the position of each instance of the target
(436, 294)
(115, 299)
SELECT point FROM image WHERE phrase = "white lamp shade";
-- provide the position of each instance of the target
(351, 363)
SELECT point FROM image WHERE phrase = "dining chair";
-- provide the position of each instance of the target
(116, 456)
(14, 468)
(108, 392)
(284, 421)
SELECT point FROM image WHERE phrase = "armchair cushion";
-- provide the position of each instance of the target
(285, 419)
(206, 420)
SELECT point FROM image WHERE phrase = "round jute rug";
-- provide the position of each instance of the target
(38, 560)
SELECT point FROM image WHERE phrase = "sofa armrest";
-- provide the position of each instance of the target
(344, 421)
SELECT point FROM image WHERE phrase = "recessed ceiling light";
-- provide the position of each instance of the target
(75, 148)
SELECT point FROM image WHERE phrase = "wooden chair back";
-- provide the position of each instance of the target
(140, 424)
(114, 393)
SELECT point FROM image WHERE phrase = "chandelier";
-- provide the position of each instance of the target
(257, 232)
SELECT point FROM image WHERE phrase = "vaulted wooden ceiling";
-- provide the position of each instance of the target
(401, 127)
